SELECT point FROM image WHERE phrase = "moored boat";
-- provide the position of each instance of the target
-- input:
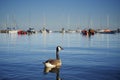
(88, 32)
(106, 31)
(21, 32)
(13, 31)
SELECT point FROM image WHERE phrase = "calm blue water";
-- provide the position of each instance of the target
(84, 58)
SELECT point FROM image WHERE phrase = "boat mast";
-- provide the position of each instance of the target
(44, 22)
(68, 22)
(7, 18)
(107, 21)
(44, 25)
(14, 22)
(29, 19)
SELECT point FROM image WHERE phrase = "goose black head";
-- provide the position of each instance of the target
(59, 48)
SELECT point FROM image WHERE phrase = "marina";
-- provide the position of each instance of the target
(59, 39)
(94, 58)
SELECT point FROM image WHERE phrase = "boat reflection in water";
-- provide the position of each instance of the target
(55, 70)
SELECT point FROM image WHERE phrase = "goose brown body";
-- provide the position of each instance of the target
(54, 62)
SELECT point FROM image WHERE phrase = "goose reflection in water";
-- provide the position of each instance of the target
(53, 70)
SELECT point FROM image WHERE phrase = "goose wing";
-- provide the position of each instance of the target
(54, 62)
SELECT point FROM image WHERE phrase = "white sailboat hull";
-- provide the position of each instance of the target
(13, 31)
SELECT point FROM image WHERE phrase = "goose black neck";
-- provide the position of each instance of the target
(57, 55)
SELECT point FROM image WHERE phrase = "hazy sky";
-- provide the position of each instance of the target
(55, 14)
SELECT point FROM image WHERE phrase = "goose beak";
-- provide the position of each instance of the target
(62, 48)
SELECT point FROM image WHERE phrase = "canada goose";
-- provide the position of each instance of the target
(52, 63)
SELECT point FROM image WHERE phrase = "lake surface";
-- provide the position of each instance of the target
(83, 58)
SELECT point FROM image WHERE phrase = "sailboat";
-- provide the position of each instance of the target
(44, 30)
(69, 30)
(107, 31)
(13, 30)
